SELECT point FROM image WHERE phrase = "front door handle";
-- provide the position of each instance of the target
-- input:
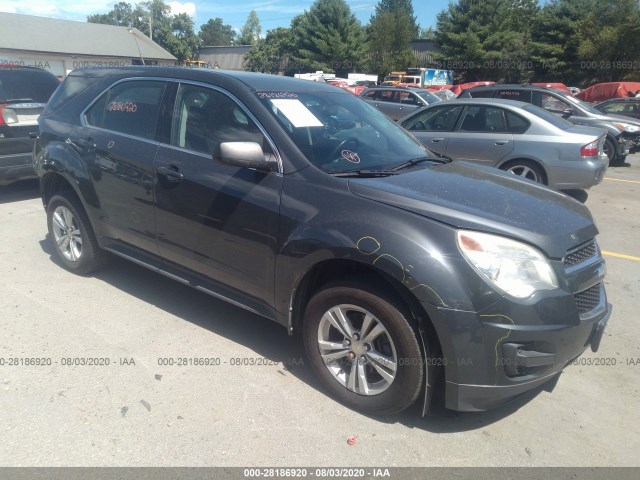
(171, 173)
(437, 140)
(502, 142)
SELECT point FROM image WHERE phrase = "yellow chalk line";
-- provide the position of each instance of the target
(621, 255)
(621, 180)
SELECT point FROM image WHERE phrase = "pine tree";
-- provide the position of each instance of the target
(328, 37)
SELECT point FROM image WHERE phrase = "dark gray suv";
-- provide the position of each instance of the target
(24, 91)
(622, 134)
(297, 201)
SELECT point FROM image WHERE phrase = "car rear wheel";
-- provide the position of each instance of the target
(74, 242)
(526, 169)
(363, 349)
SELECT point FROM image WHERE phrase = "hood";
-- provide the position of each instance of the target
(623, 118)
(474, 197)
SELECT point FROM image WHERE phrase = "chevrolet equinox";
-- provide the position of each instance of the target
(304, 204)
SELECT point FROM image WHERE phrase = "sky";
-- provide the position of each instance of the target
(272, 13)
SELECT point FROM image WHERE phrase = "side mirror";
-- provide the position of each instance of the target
(244, 155)
(567, 112)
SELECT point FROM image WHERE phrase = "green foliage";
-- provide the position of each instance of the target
(216, 33)
(250, 32)
(390, 30)
(174, 33)
(271, 54)
(491, 40)
(328, 37)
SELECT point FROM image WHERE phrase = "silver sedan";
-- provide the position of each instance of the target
(514, 136)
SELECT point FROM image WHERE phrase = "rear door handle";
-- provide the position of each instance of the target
(502, 142)
(437, 140)
(171, 173)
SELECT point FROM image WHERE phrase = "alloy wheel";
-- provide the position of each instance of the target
(66, 232)
(357, 349)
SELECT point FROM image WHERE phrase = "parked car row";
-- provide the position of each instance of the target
(531, 137)
(403, 272)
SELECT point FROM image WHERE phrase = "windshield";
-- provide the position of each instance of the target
(428, 97)
(340, 132)
(583, 105)
(553, 119)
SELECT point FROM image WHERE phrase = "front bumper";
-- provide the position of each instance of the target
(513, 346)
(14, 167)
(568, 344)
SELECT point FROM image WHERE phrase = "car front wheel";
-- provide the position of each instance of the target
(363, 349)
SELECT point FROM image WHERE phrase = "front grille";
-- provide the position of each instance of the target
(581, 254)
(588, 299)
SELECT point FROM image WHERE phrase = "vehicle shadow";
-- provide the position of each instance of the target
(269, 340)
(19, 191)
(579, 195)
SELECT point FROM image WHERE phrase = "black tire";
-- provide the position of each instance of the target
(398, 337)
(526, 169)
(74, 242)
(610, 151)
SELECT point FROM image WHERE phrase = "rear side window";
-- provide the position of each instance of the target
(26, 85)
(519, 95)
(387, 96)
(72, 85)
(516, 123)
(129, 107)
(484, 119)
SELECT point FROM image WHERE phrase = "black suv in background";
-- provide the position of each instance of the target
(24, 91)
(622, 134)
(299, 202)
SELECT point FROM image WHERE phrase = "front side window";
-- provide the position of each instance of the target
(441, 119)
(204, 118)
(129, 107)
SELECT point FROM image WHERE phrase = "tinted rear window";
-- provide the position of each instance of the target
(520, 95)
(69, 88)
(27, 85)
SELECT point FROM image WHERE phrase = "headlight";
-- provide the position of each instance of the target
(627, 127)
(512, 267)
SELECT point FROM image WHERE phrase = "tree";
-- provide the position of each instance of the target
(556, 42)
(609, 41)
(327, 37)
(174, 33)
(122, 14)
(271, 54)
(250, 32)
(390, 32)
(485, 40)
(184, 41)
(215, 33)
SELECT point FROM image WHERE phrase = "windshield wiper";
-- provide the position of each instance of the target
(363, 173)
(415, 161)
